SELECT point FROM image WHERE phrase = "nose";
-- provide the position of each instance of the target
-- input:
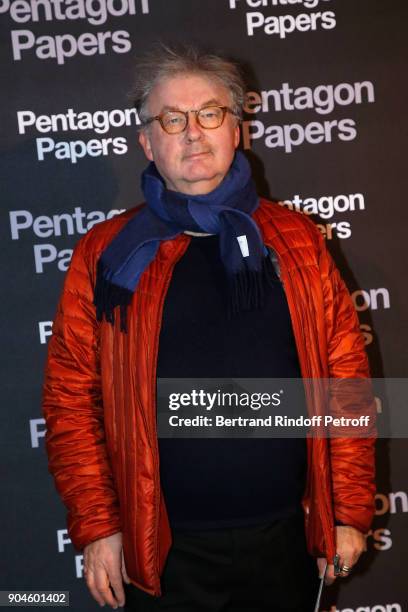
(193, 130)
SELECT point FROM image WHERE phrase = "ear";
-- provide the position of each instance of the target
(237, 135)
(144, 141)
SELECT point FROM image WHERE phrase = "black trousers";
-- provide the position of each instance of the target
(247, 569)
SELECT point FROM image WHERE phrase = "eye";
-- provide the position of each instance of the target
(209, 113)
(173, 119)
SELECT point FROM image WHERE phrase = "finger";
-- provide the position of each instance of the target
(349, 560)
(330, 577)
(103, 588)
(117, 587)
(349, 554)
(90, 581)
(124, 572)
(346, 553)
(345, 569)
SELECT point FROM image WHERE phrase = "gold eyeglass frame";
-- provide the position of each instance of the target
(159, 118)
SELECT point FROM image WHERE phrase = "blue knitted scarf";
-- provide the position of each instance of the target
(225, 211)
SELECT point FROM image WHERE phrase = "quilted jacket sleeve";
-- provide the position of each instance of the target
(73, 410)
(352, 458)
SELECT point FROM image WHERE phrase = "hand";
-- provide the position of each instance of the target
(105, 571)
(350, 543)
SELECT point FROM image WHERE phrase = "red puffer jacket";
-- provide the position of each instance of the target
(100, 393)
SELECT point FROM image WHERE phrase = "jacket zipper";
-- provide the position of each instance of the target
(306, 373)
(168, 275)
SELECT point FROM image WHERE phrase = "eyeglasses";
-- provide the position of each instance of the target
(176, 121)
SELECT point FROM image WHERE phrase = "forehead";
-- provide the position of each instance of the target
(187, 91)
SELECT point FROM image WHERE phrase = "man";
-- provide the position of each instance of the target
(184, 287)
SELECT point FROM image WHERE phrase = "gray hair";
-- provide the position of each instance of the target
(170, 61)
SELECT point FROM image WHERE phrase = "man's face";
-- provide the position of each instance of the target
(196, 160)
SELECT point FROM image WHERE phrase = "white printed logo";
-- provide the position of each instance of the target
(282, 25)
(43, 226)
(61, 47)
(322, 99)
(100, 121)
(243, 245)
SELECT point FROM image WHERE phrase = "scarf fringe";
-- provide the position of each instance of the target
(247, 288)
(107, 296)
(246, 293)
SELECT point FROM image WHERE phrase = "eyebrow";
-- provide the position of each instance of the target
(212, 102)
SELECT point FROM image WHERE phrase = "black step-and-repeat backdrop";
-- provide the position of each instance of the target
(325, 129)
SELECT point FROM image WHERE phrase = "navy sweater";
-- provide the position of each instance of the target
(210, 483)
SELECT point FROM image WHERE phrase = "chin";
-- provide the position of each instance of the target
(200, 186)
(200, 171)
(202, 177)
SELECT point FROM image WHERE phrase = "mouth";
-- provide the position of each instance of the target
(198, 155)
